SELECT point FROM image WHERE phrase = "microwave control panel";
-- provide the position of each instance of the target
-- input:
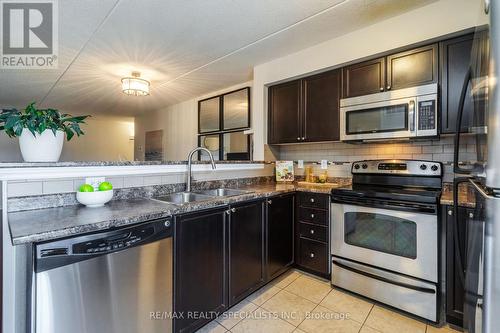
(427, 115)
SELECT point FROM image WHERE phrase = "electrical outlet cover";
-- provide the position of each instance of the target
(95, 181)
(301, 164)
(324, 164)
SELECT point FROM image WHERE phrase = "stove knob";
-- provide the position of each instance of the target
(356, 166)
(423, 167)
(434, 167)
(365, 165)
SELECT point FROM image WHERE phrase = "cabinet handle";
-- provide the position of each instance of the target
(298, 139)
(270, 202)
(312, 200)
(381, 88)
(228, 212)
(233, 210)
(303, 138)
(471, 215)
(311, 255)
(312, 232)
(388, 87)
(450, 212)
(312, 216)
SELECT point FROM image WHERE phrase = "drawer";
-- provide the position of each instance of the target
(315, 216)
(314, 200)
(313, 255)
(313, 231)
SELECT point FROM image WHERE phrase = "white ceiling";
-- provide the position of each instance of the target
(186, 48)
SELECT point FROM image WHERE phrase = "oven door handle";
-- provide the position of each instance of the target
(383, 279)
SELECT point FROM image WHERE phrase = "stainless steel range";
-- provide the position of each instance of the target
(384, 238)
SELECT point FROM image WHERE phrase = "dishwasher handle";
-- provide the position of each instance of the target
(59, 253)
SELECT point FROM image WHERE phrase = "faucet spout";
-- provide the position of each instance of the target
(190, 157)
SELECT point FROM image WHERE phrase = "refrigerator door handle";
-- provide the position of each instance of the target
(459, 256)
(463, 93)
(481, 190)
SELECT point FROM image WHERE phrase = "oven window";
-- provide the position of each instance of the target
(383, 119)
(381, 233)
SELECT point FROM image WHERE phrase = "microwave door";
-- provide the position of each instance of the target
(381, 120)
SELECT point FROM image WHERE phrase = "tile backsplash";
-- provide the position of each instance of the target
(440, 150)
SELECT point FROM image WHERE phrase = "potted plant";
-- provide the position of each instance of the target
(40, 131)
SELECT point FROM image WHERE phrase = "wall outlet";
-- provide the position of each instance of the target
(301, 164)
(324, 164)
(95, 182)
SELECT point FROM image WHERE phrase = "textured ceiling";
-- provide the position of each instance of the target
(185, 48)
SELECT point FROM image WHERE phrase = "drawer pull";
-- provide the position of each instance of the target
(312, 232)
(450, 212)
(312, 216)
(471, 215)
(312, 200)
(311, 255)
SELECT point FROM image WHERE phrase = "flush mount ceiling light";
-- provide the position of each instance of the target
(135, 85)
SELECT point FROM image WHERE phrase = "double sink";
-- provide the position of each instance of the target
(181, 198)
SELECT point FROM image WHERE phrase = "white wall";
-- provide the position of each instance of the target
(434, 20)
(179, 123)
(106, 139)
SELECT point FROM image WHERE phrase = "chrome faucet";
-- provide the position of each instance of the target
(190, 157)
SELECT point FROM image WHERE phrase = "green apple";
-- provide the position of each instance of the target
(105, 186)
(86, 188)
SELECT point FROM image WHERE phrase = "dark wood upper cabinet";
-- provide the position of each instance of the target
(284, 112)
(200, 267)
(246, 250)
(363, 78)
(305, 110)
(280, 234)
(412, 68)
(455, 62)
(321, 107)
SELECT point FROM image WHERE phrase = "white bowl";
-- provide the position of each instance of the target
(94, 199)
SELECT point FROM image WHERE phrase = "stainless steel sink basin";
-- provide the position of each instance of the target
(184, 197)
(223, 192)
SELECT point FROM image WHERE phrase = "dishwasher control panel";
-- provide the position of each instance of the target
(114, 242)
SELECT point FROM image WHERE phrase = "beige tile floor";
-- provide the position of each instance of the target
(300, 303)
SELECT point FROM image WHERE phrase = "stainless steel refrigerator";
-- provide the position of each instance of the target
(477, 164)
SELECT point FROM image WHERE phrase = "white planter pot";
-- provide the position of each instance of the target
(45, 147)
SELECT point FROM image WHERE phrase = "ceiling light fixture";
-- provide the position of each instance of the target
(135, 85)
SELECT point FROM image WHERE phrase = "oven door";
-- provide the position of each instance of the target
(399, 241)
(381, 120)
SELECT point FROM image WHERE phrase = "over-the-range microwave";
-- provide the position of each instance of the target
(403, 113)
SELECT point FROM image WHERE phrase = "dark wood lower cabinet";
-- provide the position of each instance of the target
(454, 287)
(280, 234)
(246, 250)
(199, 268)
(312, 251)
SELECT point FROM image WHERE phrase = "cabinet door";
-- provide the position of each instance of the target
(363, 78)
(200, 267)
(280, 234)
(455, 62)
(454, 286)
(246, 250)
(412, 68)
(284, 124)
(321, 106)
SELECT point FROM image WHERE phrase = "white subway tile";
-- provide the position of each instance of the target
(133, 181)
(24, 189)
(58, 186)
(152, 180)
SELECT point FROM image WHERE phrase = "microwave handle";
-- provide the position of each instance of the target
(411, 115)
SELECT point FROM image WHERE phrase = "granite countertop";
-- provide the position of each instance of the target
(52, 223)
(465, 195)
(112, 163)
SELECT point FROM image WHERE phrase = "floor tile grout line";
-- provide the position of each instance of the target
(368, 315)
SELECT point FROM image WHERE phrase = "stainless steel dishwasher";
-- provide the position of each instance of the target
(107, 282)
